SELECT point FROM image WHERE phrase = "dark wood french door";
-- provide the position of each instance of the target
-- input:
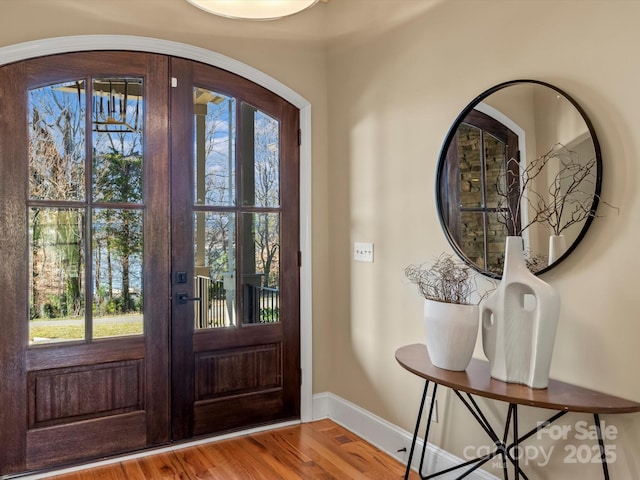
(130, 184)
(235, 324)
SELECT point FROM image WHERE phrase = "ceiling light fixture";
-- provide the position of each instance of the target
(253, 9)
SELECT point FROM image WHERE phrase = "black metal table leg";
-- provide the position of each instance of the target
(415, 432)
(603, 453)
(516, 448)
(427, 429)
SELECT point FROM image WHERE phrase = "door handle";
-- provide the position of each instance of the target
(183, 297)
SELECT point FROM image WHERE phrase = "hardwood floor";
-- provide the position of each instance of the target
(318, 450)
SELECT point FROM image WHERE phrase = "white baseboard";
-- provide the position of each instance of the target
(388, 437)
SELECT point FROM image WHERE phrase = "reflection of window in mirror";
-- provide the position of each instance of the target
(482, 170)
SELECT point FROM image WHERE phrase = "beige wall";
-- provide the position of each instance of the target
(386, 79)
(393, 93)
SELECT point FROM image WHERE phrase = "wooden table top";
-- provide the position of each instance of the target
(476, 379)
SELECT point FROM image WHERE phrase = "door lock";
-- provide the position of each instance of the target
(183, 297)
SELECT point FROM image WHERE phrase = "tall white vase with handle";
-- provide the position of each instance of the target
(519, 322)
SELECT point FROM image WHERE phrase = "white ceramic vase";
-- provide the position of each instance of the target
(557, 247)
(451, 332)
(519, 322)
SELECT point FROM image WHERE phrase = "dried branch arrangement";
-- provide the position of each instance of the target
(512, 193)
(568, 200)
(444, 280)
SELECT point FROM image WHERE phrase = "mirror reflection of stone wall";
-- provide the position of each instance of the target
(480, 231)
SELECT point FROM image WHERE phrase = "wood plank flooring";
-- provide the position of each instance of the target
(319, 450)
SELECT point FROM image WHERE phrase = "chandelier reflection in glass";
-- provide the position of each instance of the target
(117, 105)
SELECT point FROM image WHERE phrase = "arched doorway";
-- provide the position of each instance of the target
(92, 393)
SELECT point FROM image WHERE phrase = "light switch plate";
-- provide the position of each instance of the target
(363, 252)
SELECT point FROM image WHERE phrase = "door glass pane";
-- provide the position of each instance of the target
(214, 148)
(495, 174)
(215, 271)
(267, 160)
(261, 158)
(472, 228)
(57, 142)
(56, 271)
(117, 140)
(496, 238)
(261, 267)
(470, 157)
(117, 272)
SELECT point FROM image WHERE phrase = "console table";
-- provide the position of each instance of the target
(476, 381)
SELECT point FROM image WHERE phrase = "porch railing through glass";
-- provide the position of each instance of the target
(216, 305)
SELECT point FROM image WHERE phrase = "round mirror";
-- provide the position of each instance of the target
(521, 159)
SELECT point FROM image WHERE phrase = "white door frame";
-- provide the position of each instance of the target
(50, 46)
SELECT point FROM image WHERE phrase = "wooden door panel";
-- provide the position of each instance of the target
(233, 413)
(238, 371)
(231, 383)
(204, 340)
(66, 395)
(85, 354)
(66, 401)
(87, 439)
(245, 371)
(13, 274)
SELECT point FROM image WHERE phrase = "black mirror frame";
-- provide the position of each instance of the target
(442, 163)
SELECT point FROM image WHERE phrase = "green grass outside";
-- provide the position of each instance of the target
(76, 332)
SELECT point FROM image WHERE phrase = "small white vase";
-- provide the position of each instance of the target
(451, 332)
(557, 247)
(519, 322)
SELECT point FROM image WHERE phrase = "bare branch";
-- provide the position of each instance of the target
(444, 279)
(567, 201)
